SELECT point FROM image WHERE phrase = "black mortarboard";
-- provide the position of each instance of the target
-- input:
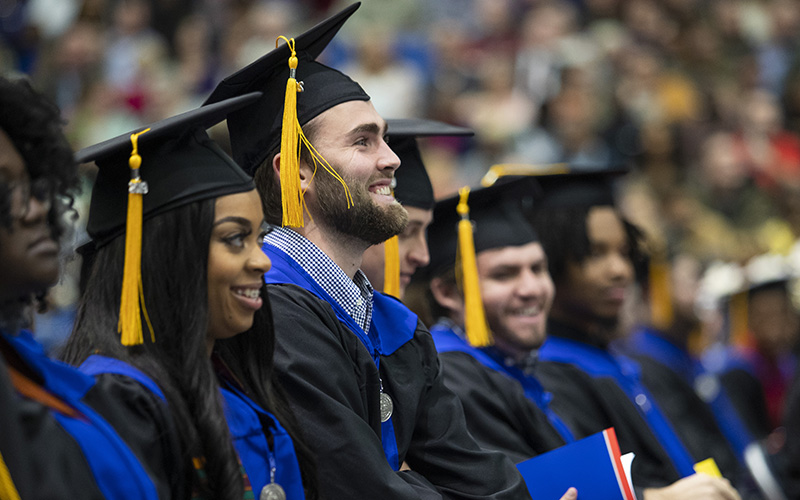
(180, 165)
(562, 187)
(498, 216)
(413, 185)
(256, 130)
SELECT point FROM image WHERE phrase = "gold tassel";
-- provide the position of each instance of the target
(291, 194)
(475, 325)
(391, 267)
(292, 139)
(739, 331)
(660, 292)
(7, 489)
(132, 296)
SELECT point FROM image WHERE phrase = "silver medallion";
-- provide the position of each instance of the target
(272, 491)
(387, 407)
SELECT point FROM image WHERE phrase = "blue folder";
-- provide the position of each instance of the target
(592, 465)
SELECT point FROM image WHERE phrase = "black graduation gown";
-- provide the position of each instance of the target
(333, 386)
(590, 404)
(144, 422)
(692, 418)
(499, 415)
(57, 461)
(747, 396)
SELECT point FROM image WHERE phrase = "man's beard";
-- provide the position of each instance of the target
(365, 220)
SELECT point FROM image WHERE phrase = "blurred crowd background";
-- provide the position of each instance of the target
(700, 99)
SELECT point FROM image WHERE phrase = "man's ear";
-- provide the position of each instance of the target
(446, 294)
(306, 173)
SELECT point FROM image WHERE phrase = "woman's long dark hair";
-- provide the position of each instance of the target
(249, 358)
(175, 251)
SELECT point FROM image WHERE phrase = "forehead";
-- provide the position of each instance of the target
(521, 255)
(12, 166)
(345, 118)
(603, 224)
(246, 205)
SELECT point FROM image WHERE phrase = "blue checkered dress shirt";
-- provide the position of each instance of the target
(354, 295)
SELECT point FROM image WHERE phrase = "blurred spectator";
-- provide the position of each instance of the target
(540, 58)
(396, 87)
(569, 133)
(770, 152)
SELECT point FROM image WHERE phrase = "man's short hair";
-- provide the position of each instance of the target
(268, 183)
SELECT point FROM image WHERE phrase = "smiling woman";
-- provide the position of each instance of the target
(202, 268)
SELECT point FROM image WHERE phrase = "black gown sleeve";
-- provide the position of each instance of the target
(747, 397)
(692, 418)
(499, 415)
(144, 422)
(333, 386)
(441, 447)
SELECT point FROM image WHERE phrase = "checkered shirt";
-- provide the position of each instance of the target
(353, 295)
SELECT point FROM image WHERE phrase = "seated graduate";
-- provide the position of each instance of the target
(505, 406)
(390, 265)
(756, 364)
(181, 275)
(359, 368)
(591, 252)
(53, 438)
(692, 398)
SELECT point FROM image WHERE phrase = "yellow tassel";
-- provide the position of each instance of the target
(475, 325)
(132, 295)
(292, 139)
(660, 292)
(391, 267)
(7, 489)
(739, 331)
(291, 194)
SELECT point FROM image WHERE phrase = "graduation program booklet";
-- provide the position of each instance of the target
(592, 465)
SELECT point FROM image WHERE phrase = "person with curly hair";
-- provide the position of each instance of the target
(62, 446)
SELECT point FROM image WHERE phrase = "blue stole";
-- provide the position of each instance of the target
(242, 416)
(393, 325)
(447, 340)
(246, 422)
(715, 362)
(597, 363)
(650, 344)
(117, 472)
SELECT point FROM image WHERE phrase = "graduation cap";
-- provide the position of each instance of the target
(562, 187)
(412, 185)
(474, 221)
(151, 170)
(296, 89)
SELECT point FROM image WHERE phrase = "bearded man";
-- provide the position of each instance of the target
(359, 369)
